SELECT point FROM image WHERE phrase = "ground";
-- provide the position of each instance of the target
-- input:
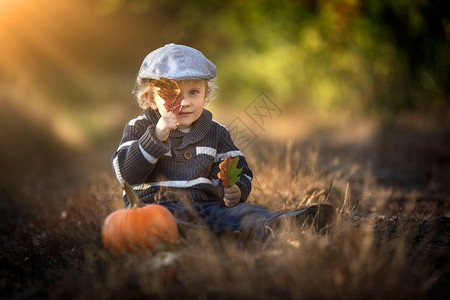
(388, 181)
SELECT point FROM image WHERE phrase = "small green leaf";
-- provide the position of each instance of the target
(229, 173)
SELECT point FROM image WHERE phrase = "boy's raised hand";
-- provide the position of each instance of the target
(232, 195)
(165, 125)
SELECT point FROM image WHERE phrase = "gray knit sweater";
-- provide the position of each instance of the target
(183, 167)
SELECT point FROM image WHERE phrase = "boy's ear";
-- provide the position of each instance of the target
(151, 100)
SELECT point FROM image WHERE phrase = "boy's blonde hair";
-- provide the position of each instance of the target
(143, 85)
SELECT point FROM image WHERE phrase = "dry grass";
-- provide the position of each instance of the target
(391, 238)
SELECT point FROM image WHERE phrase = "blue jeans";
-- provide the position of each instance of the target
(244, 217)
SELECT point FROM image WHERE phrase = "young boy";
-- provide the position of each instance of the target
(174, 159)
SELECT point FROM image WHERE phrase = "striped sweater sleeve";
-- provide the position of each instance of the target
(226, 148)
(138, 152)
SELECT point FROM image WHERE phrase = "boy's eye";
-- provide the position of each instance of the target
(193, 92)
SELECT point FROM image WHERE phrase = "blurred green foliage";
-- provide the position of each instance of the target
(366, 55)
(362, 55)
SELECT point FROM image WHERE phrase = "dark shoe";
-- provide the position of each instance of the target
(321, 217)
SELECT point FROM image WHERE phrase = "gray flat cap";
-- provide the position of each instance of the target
(177, 62)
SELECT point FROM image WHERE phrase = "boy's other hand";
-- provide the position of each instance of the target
(232, 196)
(165, 125)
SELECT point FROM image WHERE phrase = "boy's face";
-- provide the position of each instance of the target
(194, 96)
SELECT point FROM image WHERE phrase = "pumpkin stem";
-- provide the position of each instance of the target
(133, 198)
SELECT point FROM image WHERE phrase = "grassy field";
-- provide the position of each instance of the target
(389, 183)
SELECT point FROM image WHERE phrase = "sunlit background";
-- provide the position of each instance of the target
(68, 67)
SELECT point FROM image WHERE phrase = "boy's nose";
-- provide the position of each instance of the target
(184, 102)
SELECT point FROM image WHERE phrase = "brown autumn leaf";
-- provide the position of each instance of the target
(229, 171)
(170, 92)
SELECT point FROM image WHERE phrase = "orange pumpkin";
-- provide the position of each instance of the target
(140, 227)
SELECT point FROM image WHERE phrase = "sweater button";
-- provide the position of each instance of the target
(188, 155)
